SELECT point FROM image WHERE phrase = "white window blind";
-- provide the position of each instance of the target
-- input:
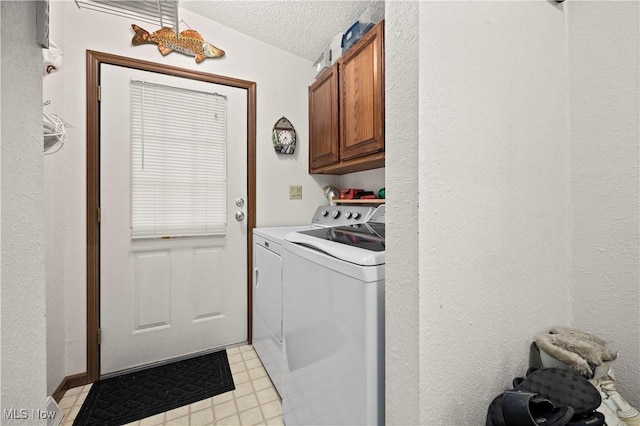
(178, 162)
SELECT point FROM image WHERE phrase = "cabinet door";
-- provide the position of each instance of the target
(362, 96)
(323, 120)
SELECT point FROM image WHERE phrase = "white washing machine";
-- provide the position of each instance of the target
(267, 283)
(333, 313)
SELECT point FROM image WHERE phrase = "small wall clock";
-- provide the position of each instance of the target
(284, 136)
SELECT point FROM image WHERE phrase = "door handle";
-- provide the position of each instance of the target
(239, 216)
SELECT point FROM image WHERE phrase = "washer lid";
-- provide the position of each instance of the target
(362, 244)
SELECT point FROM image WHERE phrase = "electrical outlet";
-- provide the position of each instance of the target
(295, 192)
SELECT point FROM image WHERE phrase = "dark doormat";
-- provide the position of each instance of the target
(134, 396)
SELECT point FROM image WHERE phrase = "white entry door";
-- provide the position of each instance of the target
(162, 298)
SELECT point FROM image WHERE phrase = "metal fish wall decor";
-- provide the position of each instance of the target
(189, 42)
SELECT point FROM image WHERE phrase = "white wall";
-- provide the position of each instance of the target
(493, 189)
(54, 202)
(23, 285)
(0, 209)
(604, 74)
(282, 81)
(402, 350)
(0, 215)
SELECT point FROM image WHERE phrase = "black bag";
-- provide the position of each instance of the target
(550, 397)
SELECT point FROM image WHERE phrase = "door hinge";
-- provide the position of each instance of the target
(99, 214)
(99, 336)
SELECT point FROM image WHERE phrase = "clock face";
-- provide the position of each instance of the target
(285, 137)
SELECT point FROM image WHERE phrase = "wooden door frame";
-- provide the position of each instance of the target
(94, 60)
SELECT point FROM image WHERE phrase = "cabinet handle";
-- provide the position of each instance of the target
(255, 272)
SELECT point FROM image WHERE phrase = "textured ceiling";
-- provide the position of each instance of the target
(304, 28)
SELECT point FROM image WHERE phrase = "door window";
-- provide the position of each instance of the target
(178, 162)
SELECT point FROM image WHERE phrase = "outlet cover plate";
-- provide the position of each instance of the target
(295, 192)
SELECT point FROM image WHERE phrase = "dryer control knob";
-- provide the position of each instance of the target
(324, 213)
(355, 215)
(347, 215)
(335, 214)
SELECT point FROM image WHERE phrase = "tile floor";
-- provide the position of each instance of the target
(253, 402)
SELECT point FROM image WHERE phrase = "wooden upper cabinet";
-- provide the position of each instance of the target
(346, 110)
(324, 146)
(362, 96)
